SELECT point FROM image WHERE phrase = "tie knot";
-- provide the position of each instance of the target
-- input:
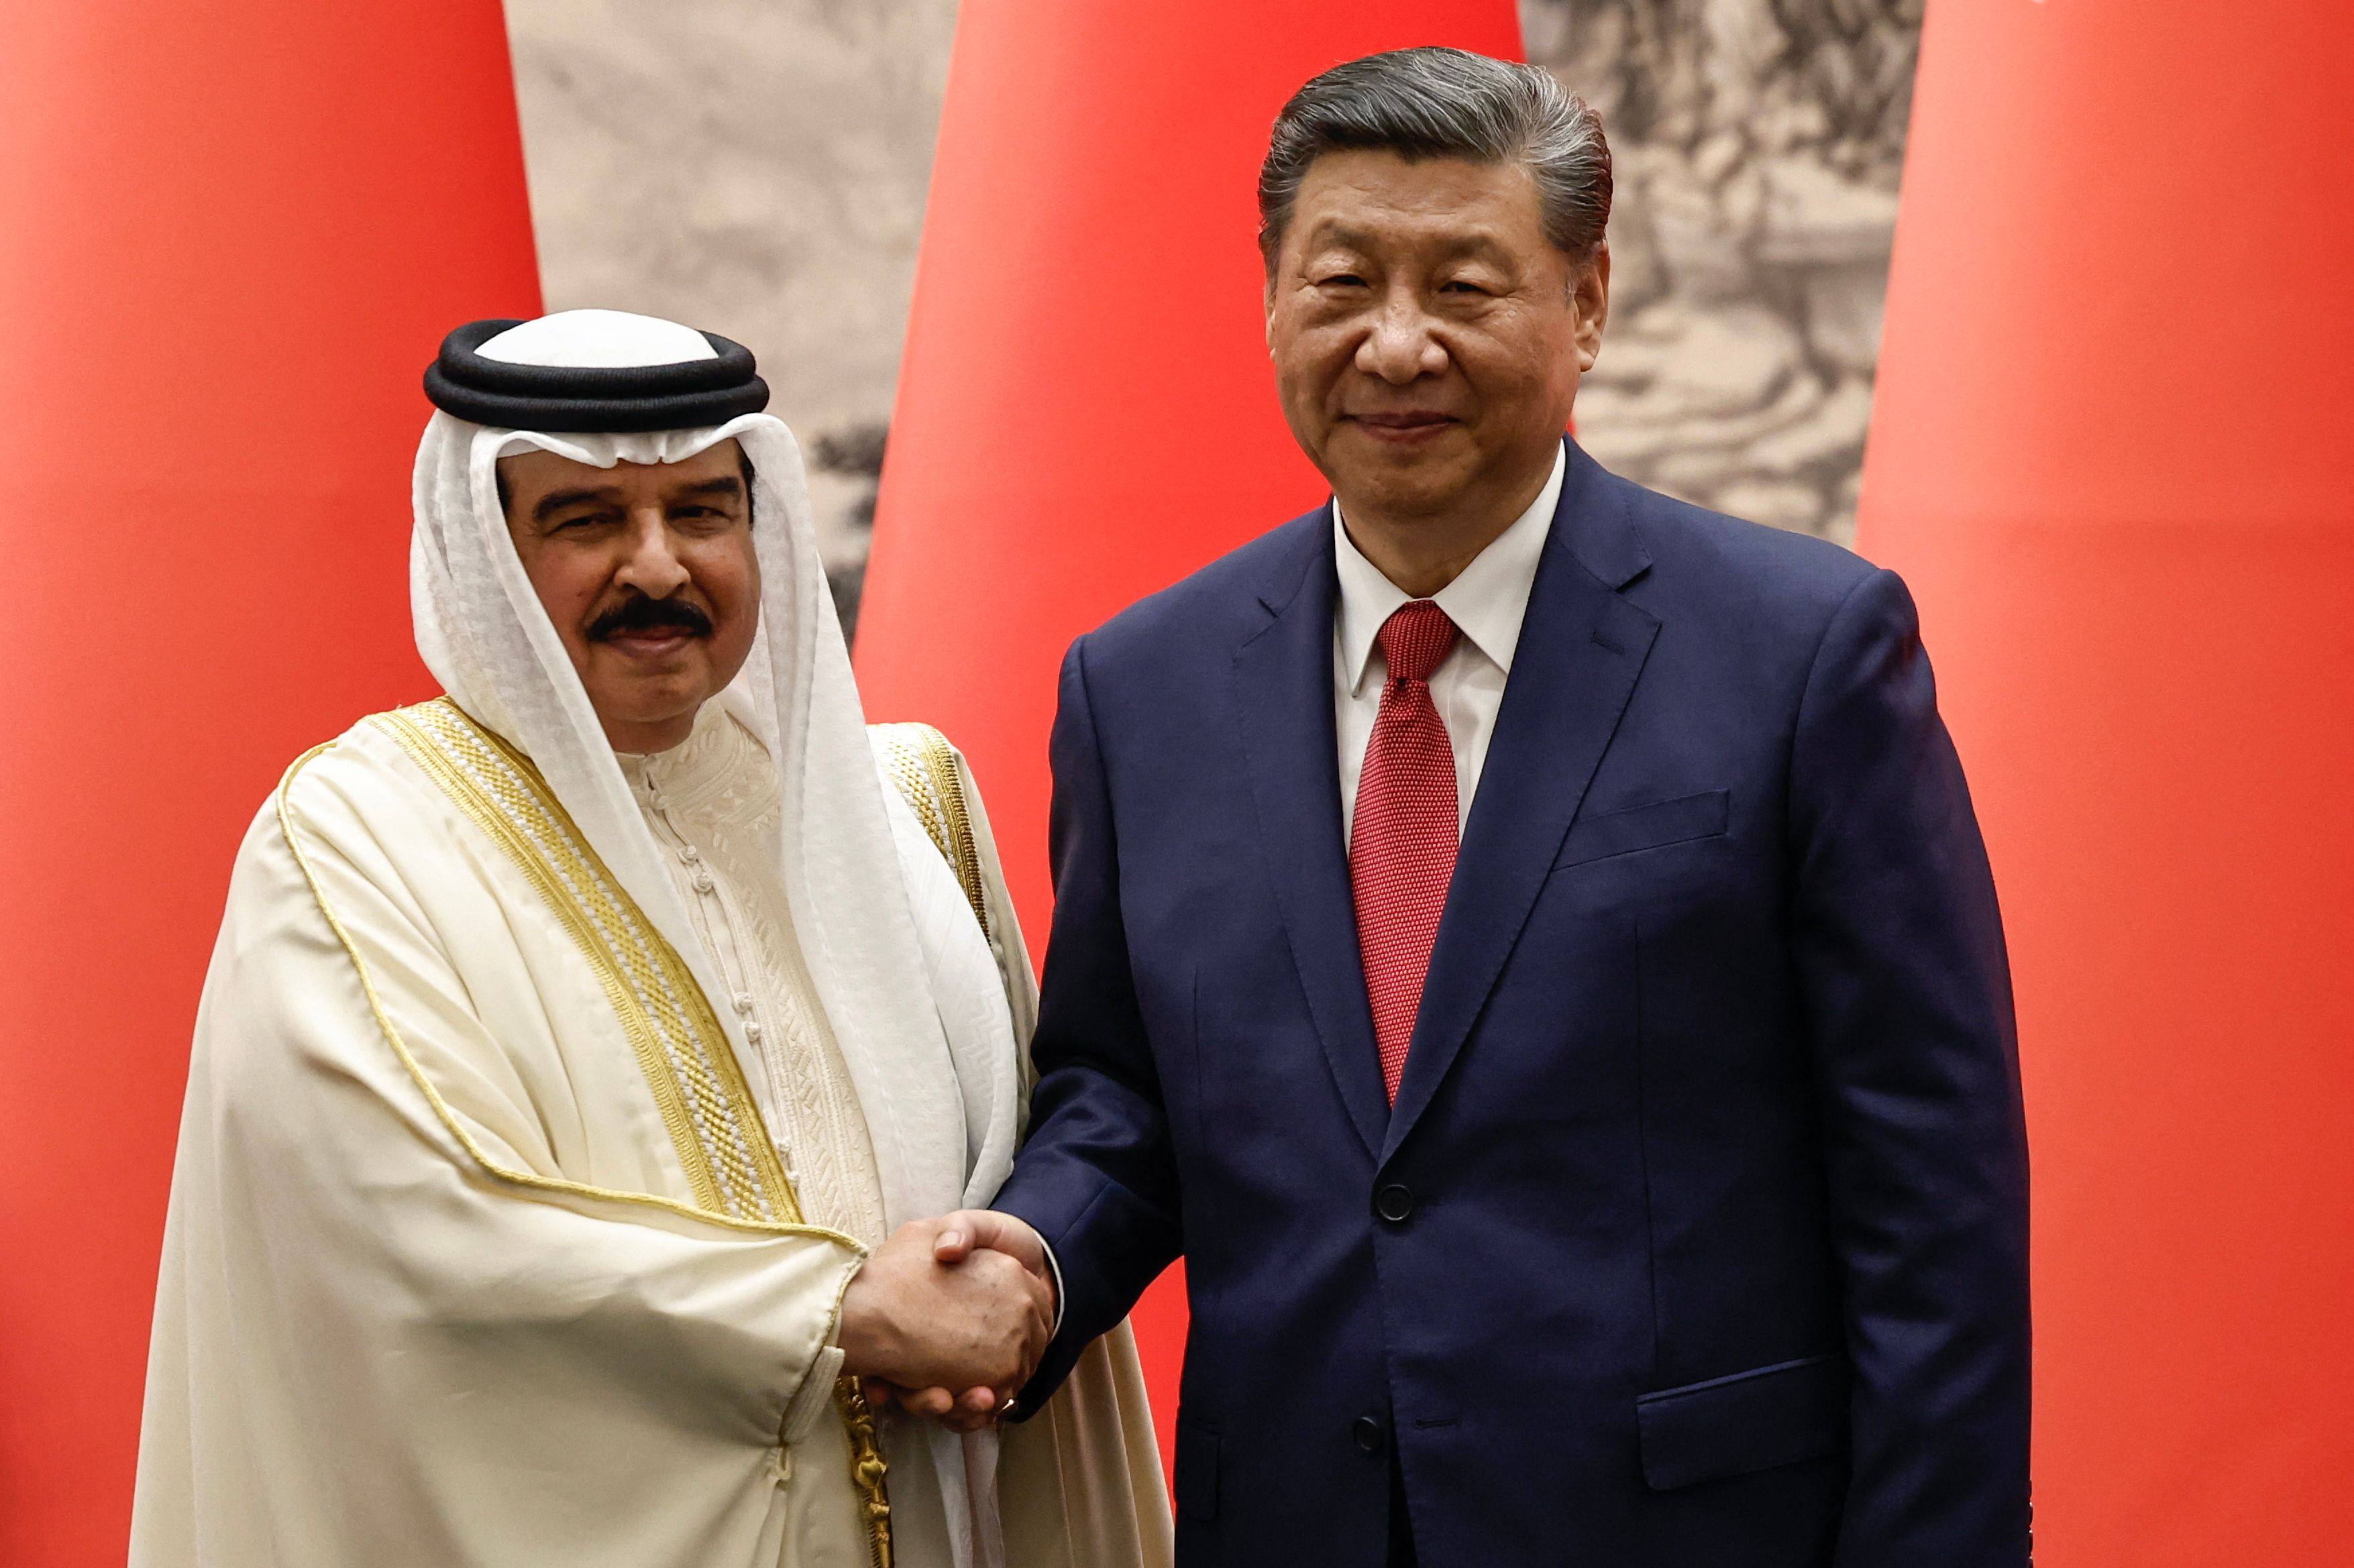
(1414, 637)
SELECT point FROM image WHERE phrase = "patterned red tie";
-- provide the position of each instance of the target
(1402, 843)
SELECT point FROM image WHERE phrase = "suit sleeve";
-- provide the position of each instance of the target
(1907, 990)
(1096, 1176)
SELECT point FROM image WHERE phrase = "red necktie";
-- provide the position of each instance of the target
(1402, 842)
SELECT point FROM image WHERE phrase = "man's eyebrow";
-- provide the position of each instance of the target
(1475, 241)
(726, 484)
(555, 501)
(1329, 232)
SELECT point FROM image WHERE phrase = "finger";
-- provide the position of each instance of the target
(932, 1402)
(977, 1402)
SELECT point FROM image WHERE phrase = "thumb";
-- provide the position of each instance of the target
(957, 1235)
(970, 1230)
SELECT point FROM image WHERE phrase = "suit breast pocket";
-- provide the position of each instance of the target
(1652, 826)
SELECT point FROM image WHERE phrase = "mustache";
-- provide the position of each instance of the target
(638, 613)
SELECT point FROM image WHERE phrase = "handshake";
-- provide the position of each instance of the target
(949, 1317)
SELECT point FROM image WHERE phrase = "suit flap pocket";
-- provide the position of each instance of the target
(1749, 1421)
(1197, 1472)
(1646, 827)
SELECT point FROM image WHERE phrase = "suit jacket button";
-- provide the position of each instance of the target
(1368, 1432)
(1393, 1203)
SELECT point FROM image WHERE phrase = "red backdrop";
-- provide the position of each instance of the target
(234, 234)
(1086, 410)
(2111, 453)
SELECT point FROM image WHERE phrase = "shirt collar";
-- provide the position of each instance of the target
(1488, 599)
(715, 754)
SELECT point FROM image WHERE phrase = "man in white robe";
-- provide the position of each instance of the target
(582, 1049)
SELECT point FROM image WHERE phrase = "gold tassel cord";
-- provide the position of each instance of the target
(867, 1466)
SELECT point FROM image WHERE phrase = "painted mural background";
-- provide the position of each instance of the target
(758, 167)
(1756, 145)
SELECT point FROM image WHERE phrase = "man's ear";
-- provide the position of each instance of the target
(1589, 300)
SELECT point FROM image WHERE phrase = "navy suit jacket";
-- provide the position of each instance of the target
(1698, 1234)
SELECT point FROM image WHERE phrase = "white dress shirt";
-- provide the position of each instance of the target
(1487, 601)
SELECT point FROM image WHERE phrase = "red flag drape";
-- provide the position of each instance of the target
(1086, 410)
(2111, 453)
(234, 235)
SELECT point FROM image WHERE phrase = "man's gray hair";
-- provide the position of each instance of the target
(1446, 103)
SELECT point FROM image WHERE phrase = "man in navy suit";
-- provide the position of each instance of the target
(1525, 942)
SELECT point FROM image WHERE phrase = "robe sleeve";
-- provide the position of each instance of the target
(377, 1267)
(1080, 1485)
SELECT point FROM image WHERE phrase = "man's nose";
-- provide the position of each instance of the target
(651, 565)
(1399, 347)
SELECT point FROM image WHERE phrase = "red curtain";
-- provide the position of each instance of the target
(2111, 453)
(234, 235)
(1086, 409)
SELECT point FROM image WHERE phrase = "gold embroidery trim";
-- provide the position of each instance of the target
(528, 1180)
(714, 1125)
(653, 992)
(924, 768)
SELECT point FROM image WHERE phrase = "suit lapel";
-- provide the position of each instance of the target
(1582, 648)
(1283, 691)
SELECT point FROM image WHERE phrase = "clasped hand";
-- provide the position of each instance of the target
(950, 1316)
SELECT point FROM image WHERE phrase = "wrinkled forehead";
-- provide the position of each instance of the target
(1376, 199)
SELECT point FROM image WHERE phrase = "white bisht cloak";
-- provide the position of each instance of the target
(471, 1255)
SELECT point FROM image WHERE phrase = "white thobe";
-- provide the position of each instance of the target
(436, 1286)
(714, 805)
